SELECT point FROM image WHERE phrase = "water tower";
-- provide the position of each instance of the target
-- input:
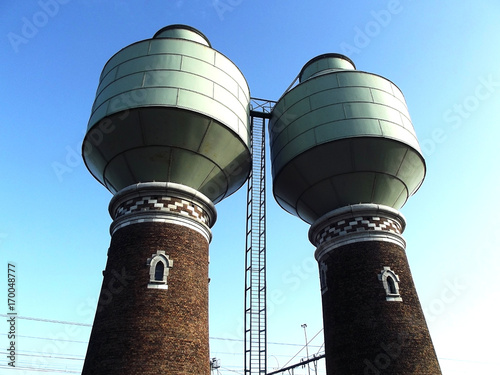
(169, 137)
(345, 159)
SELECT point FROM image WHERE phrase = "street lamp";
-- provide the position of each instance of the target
(307, 347)
(276, 361)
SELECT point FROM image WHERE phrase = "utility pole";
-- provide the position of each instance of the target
(307, 348)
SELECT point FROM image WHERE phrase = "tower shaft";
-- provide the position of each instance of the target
(175, 110)
(152, 316)
(373, 321)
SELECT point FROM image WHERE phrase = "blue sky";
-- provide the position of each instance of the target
(54, 223)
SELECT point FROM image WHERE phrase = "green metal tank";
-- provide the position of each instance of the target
(342, 137)
(170, 109)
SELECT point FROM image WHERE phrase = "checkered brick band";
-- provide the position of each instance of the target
(164, 204)
(358, 224)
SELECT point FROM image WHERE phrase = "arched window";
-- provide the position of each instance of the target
(390, 282)
(323, 268)
(391, 285)
(159, 268)
(159, 271)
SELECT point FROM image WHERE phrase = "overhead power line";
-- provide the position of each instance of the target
(39, 369)
(283, 369)
(40, 355)
(303, 346)
(50, 320)
(90, 325)
(48, 338)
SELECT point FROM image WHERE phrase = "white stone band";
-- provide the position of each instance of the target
(161, 217)
(162, 202)
(357, 223)
(355, 237)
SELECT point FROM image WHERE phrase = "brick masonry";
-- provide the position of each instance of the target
(364, 332)
(152, 331)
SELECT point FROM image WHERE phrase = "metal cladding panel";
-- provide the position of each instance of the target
(219, 76)
(371, 110)
(327, 82)
(344, 129)
(170, 109)
(161, 132)
(341, 172)
(180, 80)
(164, 62)
(182, 32)
(183, 48)
(363, 79)
(384, 98)
(128, 53)
(109, 78)
(342, 137)
(120, 87)
(352, 94)
(225, 65)
(323, 63)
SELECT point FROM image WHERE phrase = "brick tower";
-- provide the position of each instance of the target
(345, 158)
(169, 137)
